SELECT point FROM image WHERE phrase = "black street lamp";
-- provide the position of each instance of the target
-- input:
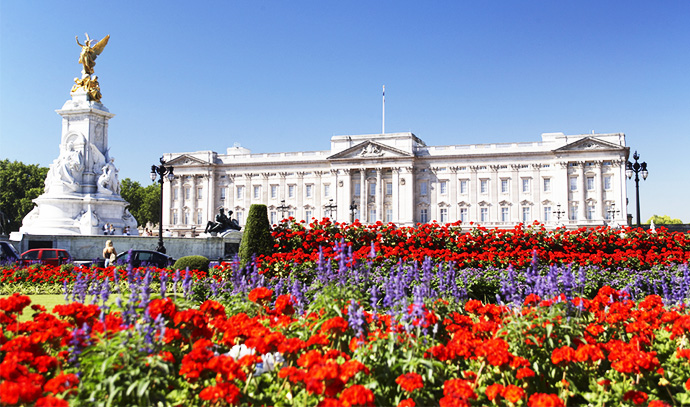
(282, 208)
(161, 171)
(353, 210)
(330, 208)
(558, 212)
(637, 168)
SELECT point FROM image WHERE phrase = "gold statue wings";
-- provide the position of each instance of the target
(98, 48)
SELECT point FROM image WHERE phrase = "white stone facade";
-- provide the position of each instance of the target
(398, 178)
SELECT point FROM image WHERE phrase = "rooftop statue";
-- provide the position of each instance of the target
(90, 52)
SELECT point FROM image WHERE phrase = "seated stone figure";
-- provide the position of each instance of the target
(222, 223)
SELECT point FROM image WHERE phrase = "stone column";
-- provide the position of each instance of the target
(494, 193)
(265, 188)
(395, 198)
(599, 208)
(582, 202)
(363, 195)
(536, 193)
(210, 197)
(378, 198)
(453, 213)
(516, 214)
(299, 211)
(473, 190)
(193, 205)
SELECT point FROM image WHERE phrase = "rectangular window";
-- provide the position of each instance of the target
(573, 211)
(607, 182)
(307, 215)
(199, 217)
(484, 214)
(443, 186)
(240, 217)
(463, 186)
(176, 193)
(389, 215)
(291, 214)
(327, 190)
(257, 191)
(505, 214)
(423, 215)
(274, 218)
(590, 212)
(175, 218)
(484, 186)
(199, 192)
(372, 215)
(308, 191)
(372, 189)
(357, 189)
(291, 191)
(274, 191)
(547, 184)
(423, 189)
(240, 192)
(525, 185)
(223, 191)
(590, 183)
(463, 215)
(504, 186)
(526, 217)
(444, 215)
(547, 214)
(187, 193)
(389, 188)
(186, 218)
(573, 183)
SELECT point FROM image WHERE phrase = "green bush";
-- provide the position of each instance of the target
(193, 262)
(256, 239)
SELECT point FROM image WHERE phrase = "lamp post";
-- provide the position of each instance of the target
(353, 210)
(282, 208)
(558, 212)
(161, 171)
(330, 208)
(636, 168)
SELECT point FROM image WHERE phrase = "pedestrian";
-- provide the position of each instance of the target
(125, 231)
(109, 253)
(105, 229)
(111, 229)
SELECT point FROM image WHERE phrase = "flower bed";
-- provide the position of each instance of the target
(475, 246)
(333, 346)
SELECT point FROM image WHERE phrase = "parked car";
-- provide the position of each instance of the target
(142, 258)
(55, 257)
(8, 254)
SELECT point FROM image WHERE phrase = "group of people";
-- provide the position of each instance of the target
(108, 229)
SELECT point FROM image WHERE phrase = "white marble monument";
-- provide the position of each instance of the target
(82, 189)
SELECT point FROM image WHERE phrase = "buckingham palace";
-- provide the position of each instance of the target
(562, 180)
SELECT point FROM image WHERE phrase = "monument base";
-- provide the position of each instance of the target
(78, 215)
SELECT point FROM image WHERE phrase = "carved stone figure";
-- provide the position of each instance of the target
(66, 168)
(222, 223)
(108, 182)
(90, 52)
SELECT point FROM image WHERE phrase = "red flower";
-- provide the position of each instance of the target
(50, 401)
(410, 381)
(658, 403)
(357, 395)
(563, 355)
(544, 400)
(494, 390)
(513, 393)
(334, 325)
(407, 403)
(637, 397)
(260, 294)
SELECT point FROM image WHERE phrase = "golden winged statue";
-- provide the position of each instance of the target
(89, 52)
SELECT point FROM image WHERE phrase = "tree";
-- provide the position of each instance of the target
(144, 202)
(20, 184)
(256, 239)
(663, 220)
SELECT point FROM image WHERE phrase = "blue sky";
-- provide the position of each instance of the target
(287, 75)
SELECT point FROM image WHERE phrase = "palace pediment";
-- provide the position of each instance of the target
(368, 150)
(589, 143)
(186, 159)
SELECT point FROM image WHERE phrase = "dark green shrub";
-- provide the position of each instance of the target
(256, 238)
(193, 262)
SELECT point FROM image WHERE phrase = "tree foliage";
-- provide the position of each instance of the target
(144, 202)
(257, 238)
(20, 184)
(663, 220)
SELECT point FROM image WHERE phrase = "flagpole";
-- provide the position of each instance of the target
(383, 116)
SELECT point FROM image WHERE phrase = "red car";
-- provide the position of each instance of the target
(55, 257)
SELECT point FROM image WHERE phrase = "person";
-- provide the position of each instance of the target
(106, 230)
(109, 253)
(167, 233)
(125, 231)
(111, 229)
